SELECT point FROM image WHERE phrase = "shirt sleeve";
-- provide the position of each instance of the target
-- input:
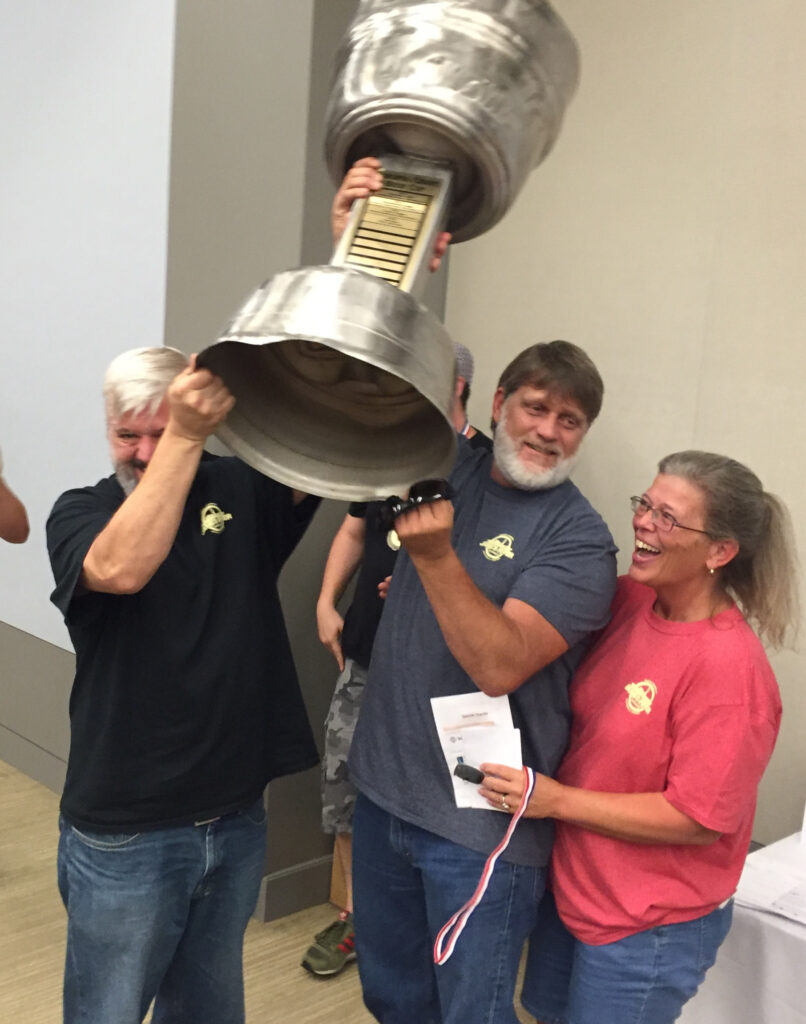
(75, 521)
(720, 750)
(286, 522)
(572, 579)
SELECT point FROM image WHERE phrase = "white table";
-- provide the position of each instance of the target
(760, 973)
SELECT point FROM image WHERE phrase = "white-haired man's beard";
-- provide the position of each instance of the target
(126, 473)
(528, 477)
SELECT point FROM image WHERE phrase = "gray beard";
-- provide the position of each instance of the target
(125, 477)
(505, 454)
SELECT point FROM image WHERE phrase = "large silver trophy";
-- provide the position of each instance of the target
(343, 380)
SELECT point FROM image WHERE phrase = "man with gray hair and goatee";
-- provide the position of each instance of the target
(185, 702)
(496, 591)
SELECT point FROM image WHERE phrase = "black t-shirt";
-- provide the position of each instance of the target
(364, 614)
(185, 701)
(380, 551)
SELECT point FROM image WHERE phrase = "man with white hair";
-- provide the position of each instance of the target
(497, 591)
(185, 702)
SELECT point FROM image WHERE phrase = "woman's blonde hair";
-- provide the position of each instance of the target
(763, 576)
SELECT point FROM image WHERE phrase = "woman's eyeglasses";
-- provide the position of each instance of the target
(664, 520)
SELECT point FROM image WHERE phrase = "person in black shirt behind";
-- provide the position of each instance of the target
(360, 540)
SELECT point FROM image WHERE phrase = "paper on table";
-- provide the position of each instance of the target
(475, 728)
(792, 904)
(772, 889)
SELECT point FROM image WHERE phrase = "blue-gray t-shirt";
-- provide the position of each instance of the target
(547, 548)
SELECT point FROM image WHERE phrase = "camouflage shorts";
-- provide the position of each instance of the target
(338, 793)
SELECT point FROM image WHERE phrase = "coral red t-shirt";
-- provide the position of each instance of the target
(687, 709)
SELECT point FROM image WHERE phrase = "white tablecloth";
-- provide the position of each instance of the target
(760, 973)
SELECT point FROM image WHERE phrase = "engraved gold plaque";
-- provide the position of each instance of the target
(391, 234)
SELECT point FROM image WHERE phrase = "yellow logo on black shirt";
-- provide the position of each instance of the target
(640, 697)
(498, 547)
(392, 540)
(213, 519)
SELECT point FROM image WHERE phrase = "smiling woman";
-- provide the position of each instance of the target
(679, 561)
(675, 715)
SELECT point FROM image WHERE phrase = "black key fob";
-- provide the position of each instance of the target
(469, 773)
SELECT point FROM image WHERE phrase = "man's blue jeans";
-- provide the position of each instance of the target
(407, 883)
(159, 915)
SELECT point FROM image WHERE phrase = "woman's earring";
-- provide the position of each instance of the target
(711, 572)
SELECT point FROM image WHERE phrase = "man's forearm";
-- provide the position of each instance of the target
(344, 557)
(137, 539)
(13, 517)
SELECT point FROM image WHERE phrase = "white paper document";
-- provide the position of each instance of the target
(771, 888)
(474, 728)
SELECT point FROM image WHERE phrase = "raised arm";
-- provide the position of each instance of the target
(135, 542)
(13, 517)
(499, 648)
(344, 557)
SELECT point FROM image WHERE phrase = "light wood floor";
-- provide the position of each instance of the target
(32, 929)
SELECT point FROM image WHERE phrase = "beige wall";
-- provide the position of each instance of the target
(667, 235)
(238, 145)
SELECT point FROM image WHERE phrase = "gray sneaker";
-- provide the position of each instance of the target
(332, 949)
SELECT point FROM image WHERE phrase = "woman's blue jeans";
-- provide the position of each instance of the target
(644, 978)
(159, 915)
(407, 882)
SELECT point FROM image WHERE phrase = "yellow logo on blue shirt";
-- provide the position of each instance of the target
(498, 547)
(640, 696)
(213, 519)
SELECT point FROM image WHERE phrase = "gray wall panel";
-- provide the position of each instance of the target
(35, 688)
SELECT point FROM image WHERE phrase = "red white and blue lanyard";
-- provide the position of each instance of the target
(449, 933)
(465, 428)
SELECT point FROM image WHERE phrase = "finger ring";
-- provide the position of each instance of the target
(504, 804)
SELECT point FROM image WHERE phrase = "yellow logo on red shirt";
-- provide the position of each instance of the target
(640, 696)
(213, 519)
